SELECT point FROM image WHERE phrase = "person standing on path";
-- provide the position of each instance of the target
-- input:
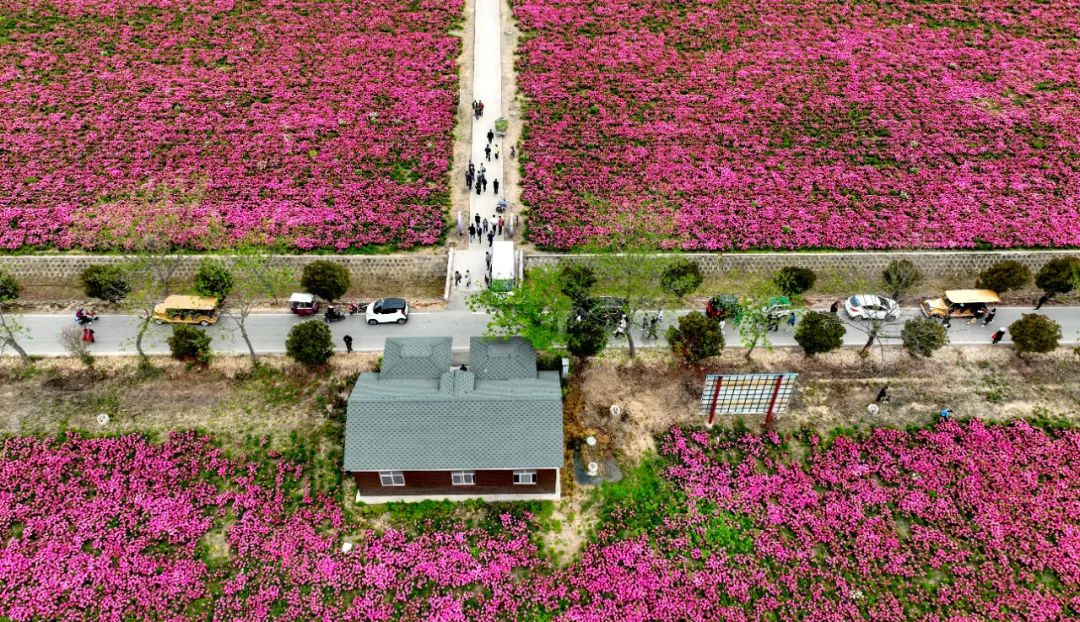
(495, 185)
(513, 152)
(348, 344)
(791, 322)
(487, 152)
(1045, 298)
(491, 136)
(990, 317)
(998, 335)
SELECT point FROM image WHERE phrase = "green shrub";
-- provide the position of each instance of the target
(695, 338)
(9, 287)
(922, 336)
(680, 278)
(1004, 276)
(819, 332)
(638, 504)
(310, 343)
(899, 277)
(214, 279)
(326, 279)
(1034, 333)
(190, 344)
(792, 280)
(586, 337)
(106, 282)
(1058, 276)
(577, 281)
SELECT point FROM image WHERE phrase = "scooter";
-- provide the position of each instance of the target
(333, 315)
(357, 307)
(82, 318)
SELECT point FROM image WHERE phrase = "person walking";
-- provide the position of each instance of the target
(998, 335)
(1045, 298)
(977, 315)
(791, 322)
(348, 344)
(487, 152)
(487, 259)
(485, 225)
(474, 107)
(620, 329)
(723, 324)
(660, 316)
(479, 188)
(491, 136)
(491, 237)
(91, 334)
(484, 180)
(468, 280)
(495, 185)
(882, 395)
(457, 278)
(500, 225)
(476, 217)
(835, 308)
(480, 108)
(990, 317)
(513, 152)
(472, 232)
(946, 322)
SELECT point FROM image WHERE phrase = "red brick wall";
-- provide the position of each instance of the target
(438, 482)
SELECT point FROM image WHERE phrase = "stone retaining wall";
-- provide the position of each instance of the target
(865, 265)
(371, 274)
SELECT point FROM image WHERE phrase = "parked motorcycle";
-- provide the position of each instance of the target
(357, 307)
(333, 315)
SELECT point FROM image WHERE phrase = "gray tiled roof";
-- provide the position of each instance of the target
(415, 357)
(501, 358)
(454, 420)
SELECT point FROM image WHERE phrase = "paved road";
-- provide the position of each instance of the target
(116, 333)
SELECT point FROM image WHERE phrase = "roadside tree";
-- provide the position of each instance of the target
(1004, 276)
(1059, 276)
(9, 327)
(214, 279)
(900, 277)
(680, 278)
(793, 280)
(695, 338)
(819, 332)
(326, 279)
(634, 274)
(190, 344)
(577, 280)
(256, 279)
(310, 343)
(754, 322)
(923, 336)
(71, 337)
(108, 282)
(1035, 334)
(537, 309)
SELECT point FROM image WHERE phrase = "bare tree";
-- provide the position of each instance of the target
(71, 338)
(875, 331)
(9, 326)
(256, 278)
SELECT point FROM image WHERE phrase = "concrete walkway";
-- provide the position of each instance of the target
(487, 88)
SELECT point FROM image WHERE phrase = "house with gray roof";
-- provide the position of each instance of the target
(420, 429)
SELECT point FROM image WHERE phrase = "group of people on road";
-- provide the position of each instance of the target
(480, 229)
(648, 325)
(478, 178)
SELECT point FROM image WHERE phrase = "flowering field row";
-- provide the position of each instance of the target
(960, 522)
(309, 123)
(827, 123)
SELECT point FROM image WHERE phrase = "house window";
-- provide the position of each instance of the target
(391, 478)
(525, 477)
(463, 478)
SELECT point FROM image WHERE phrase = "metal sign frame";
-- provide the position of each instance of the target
(747, 394)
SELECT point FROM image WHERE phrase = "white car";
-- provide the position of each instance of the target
(871, 307)
(387, 310)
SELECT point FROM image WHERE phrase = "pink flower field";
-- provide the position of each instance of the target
(314, 124)
(960, 522)
(854, 125)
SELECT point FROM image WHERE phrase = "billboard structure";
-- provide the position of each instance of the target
(746, 394)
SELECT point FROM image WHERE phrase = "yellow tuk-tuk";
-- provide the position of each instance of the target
(959, 303)
(201, 310)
